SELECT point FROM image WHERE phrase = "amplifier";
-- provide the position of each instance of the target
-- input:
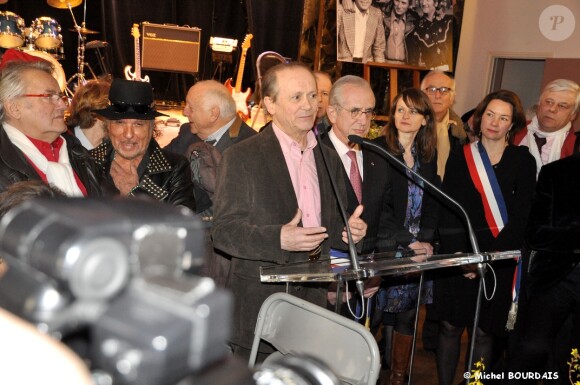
(170, 48)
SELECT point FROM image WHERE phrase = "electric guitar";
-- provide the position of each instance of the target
(240, 97)
(137, 74)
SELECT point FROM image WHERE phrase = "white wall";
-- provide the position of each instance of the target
(505, 28)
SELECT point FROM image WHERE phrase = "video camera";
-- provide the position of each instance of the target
(126, 272)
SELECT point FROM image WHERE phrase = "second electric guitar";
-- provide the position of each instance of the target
(240, 97)
(137, 74)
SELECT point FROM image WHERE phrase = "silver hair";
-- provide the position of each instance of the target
(216, 94)
(12, 81)
(431, 73)
(560, 85)
(336, 94)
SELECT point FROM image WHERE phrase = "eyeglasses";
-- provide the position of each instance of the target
(355, 113)
(442, 90)
(53, 98)
(138, 108)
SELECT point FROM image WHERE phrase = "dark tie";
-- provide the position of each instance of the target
(211, 142)
(540, 142)
(355, 178)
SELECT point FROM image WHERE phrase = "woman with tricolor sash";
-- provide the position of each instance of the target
(494, 182)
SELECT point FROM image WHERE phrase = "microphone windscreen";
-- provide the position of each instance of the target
(355, 139)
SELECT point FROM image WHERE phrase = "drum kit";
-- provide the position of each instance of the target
(43, 39)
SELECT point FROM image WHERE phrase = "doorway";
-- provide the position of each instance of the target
(522, 76)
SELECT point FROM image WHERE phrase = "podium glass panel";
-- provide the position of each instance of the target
(389, 263)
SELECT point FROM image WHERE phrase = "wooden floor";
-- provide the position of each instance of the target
(424, 367)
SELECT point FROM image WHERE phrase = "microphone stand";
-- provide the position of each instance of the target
(351, 246)
(472, 239)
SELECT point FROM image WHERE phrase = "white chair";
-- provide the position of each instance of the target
(296, 327)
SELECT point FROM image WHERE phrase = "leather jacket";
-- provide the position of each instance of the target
(14, 167)
(163, 175)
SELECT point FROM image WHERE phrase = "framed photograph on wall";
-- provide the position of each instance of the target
(412, 32)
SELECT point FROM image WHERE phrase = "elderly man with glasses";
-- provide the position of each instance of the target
(34, 143)
(130, 161)
(451, 135)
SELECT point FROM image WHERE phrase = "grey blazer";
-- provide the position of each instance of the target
(254, 198)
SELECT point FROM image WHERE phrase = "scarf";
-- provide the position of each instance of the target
(59, 174)
(557, 143)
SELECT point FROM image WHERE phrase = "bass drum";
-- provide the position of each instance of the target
(11, 30)
(57, 70)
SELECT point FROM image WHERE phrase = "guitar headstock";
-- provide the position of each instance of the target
(135, 31)
(247, 41)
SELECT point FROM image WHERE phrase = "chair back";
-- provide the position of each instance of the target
(297, 327)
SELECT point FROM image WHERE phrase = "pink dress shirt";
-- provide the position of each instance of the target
(302, 168)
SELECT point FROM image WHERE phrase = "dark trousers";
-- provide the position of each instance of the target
(545, 313)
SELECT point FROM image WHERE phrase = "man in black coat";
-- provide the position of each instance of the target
(553, 281)
(130, 162)
(350, 111)
(213, 127)
(34, 144)
(211, 111)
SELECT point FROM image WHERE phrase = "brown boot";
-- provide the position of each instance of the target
(400, 356)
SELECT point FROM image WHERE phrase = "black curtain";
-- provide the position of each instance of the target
(275, 25)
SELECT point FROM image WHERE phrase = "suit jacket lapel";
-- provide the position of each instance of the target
(370, 32)
(349, 30)
(352, 200)
(272, 158)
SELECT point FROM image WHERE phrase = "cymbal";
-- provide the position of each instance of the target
(84, 31)
(63, 4)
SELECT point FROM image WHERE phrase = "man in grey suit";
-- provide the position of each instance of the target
(213, 127)
(274, 202)
(360, 32)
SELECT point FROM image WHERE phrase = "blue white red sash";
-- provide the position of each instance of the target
(483, 177)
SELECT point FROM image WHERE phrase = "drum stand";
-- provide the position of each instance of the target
(80, 75)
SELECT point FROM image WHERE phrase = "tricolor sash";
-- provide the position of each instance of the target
(483, 177)
(484, 180)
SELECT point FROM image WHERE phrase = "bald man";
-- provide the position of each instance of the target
(451, 135)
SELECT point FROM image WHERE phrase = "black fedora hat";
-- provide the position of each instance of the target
(130, 100)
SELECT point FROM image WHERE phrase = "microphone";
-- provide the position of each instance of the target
(367, 143)
(351, 246)
(474, 245)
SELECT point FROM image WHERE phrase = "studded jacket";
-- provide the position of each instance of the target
(163, 175)
(14, 167)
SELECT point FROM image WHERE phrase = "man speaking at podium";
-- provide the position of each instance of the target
(274, 202)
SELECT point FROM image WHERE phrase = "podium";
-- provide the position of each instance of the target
(380, 264)
(384, 264)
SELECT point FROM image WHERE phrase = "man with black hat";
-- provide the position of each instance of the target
(130, 161)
